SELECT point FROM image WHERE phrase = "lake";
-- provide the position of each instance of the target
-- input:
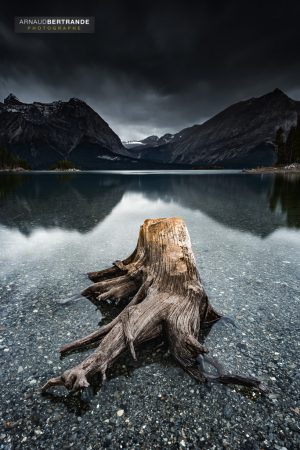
(245, 233)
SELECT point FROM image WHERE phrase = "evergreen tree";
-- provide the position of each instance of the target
(290, 143)
(280, 146)
(10, 161)
(296, 143)
(64, 164)
(292, 146)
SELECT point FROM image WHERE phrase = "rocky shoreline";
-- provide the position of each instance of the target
(20, 169)
(291, 168)
(14, 169)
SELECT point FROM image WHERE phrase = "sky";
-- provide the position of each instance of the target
(153, 67)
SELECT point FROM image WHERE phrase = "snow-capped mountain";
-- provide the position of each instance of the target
(150, 141)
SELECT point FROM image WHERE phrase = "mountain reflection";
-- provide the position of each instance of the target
(69, 201)
(237, 201)
(286, 195)
(8, 183)
(255, 204)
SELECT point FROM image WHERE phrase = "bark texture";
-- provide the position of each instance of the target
(163, 295)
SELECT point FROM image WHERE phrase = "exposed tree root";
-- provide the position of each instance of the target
(167, 296)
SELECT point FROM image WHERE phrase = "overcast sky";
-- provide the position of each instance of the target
(154, 66)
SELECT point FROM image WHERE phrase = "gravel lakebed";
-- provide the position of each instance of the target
(151, 403)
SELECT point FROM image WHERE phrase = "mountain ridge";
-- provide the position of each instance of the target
(43, 133)
(242, 135)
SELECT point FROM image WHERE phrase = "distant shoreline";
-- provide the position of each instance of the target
(21, 170)
(55, 171)
(15, 170)
(291, 168)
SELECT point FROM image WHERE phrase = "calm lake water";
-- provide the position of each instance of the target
(245, 232)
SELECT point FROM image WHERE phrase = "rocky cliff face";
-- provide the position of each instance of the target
(44, 133)
(240, 136)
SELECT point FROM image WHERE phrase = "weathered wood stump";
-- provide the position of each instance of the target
(164, 295)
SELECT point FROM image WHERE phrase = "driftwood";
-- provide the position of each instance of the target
(164, 296)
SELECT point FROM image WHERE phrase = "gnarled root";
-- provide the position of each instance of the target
(164, 294)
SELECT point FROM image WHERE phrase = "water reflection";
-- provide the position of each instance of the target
(8, 183)
(286, 195)
(256, 204)
(68, 201)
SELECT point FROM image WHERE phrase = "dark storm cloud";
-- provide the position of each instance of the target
(156, 66)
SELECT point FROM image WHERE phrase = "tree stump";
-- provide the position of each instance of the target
(164, 295)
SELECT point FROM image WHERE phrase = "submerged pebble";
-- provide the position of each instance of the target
(250, 269)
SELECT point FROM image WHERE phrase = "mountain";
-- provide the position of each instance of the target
(240, 136)
(44, 133)
(149, 142)
(132, 144)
